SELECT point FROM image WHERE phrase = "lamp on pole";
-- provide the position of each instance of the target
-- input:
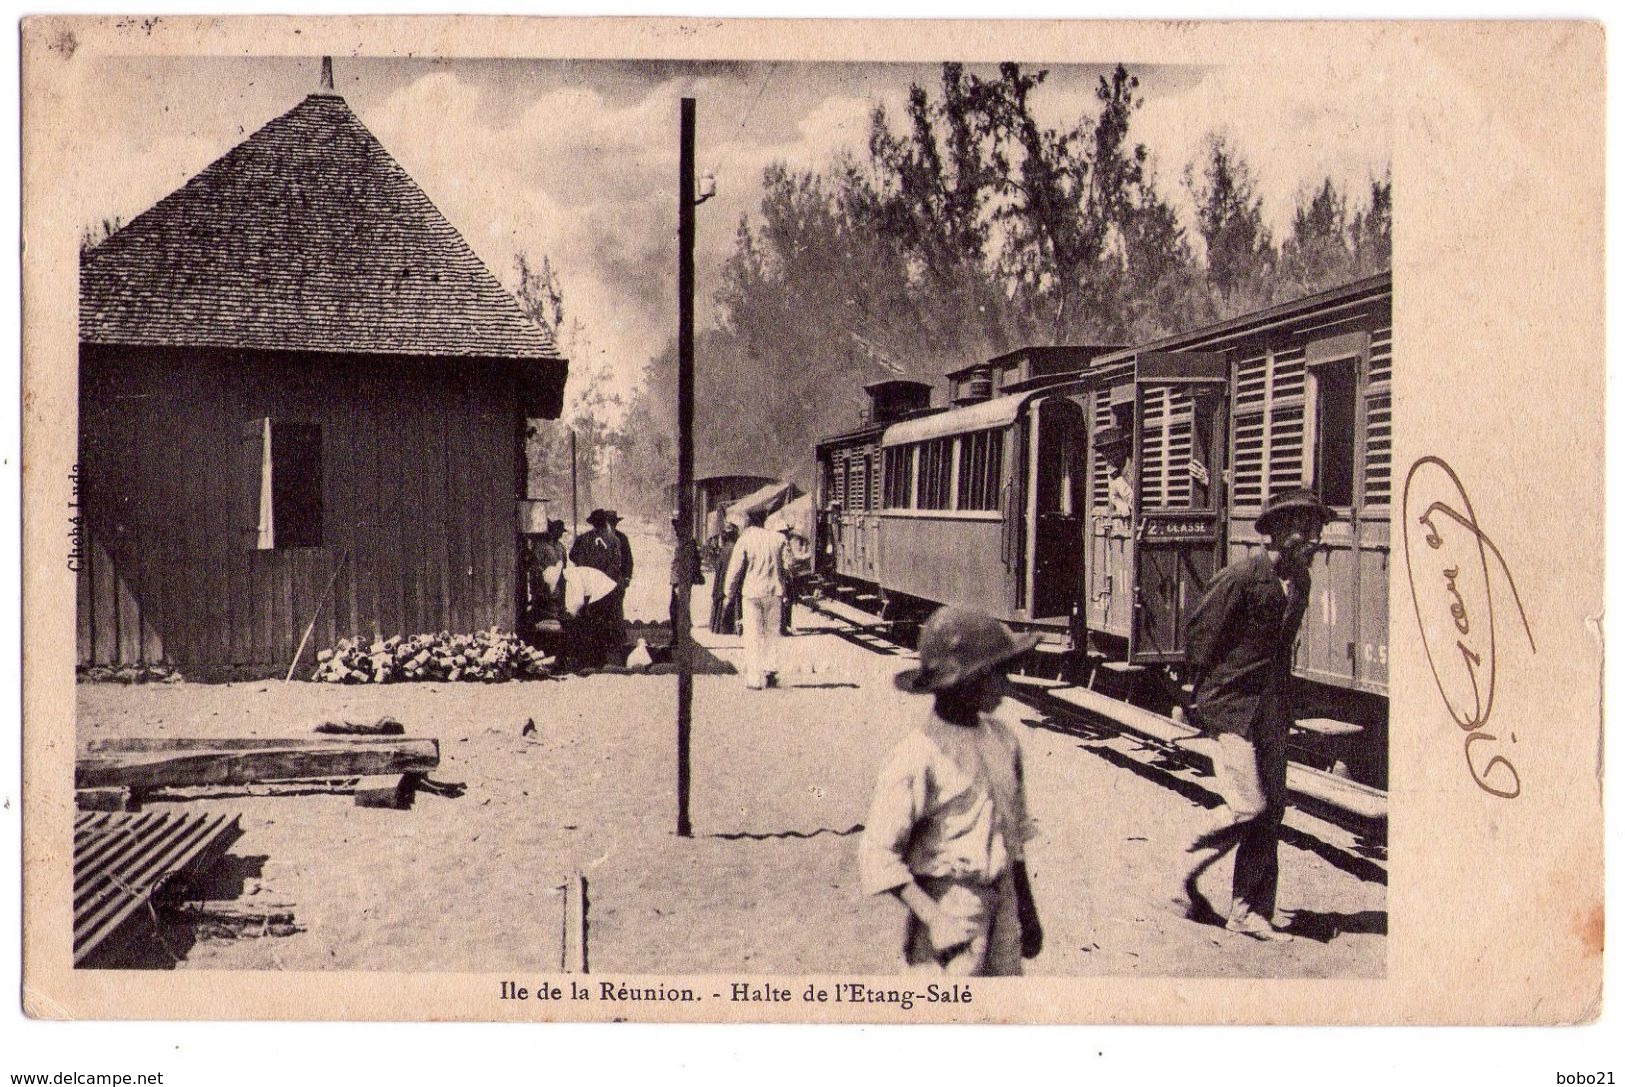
(682, 634)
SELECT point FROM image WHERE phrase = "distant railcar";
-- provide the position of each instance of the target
(1090, 493)
(712, 494)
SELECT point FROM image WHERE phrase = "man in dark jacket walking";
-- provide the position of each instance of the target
(1238, 648)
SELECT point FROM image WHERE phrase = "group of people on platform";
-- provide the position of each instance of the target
(584, 600)
(758, 574)
(579, 594)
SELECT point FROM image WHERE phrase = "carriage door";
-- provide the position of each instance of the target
(1178, 454)
(1056, 498)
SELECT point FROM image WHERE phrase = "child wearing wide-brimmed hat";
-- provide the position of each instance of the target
(948, 823)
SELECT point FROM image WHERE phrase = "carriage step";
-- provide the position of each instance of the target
(1338, 792)
(1038, 682)
(1153, 726)
(1326, 726)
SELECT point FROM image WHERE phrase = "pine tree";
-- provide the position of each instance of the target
(1230, 216)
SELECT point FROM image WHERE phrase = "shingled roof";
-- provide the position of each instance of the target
(307, 236)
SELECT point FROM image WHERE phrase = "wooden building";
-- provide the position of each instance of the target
(300, 392)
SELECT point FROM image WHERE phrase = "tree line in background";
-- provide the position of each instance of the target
(968, 230)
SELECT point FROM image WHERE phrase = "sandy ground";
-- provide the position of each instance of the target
(766, 885)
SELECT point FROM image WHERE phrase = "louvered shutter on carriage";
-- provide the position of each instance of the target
(1286, 453)
(1100, 478)
(857, 487)
(1267, 443)
(1379, 420)
(1165, 449)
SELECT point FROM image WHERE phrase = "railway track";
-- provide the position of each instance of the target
(1342, 823)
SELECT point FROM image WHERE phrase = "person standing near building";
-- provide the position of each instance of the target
(756, 588)
(603, 550)
(947, 828)
(591, 639)
(1239, 644)
(543, 553)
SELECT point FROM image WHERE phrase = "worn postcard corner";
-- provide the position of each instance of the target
(812, 521)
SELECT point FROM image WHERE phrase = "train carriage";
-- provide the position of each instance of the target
(847, 485)
(1295, 395)
(1090, 493)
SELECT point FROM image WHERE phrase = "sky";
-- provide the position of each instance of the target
(577, 160)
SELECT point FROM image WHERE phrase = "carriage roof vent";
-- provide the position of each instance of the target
(972, 385)
(890, 400)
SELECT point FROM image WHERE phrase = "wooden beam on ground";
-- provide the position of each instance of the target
(235, 764)
(136, 744)
(236, 918)
(1339, 793)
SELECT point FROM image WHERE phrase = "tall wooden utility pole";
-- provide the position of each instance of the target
(682, 635)
(575, 520)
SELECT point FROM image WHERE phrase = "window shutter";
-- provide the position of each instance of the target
(1247, 460)
(1286, 464)
(1165, 450)
(857, 488)
(1379, 409)
(1267, 454)
(1099, 481)
(254, 527)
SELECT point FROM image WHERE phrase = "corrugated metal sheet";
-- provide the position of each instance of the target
(120, 859)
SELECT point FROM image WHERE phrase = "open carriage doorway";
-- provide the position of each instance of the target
(1056, 498)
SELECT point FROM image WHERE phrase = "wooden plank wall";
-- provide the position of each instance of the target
(420, 470)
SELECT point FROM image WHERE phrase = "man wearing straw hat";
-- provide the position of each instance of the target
(1116, 448)
(1238, 649)
(948, 823)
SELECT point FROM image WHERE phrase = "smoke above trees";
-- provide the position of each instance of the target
(969, 229)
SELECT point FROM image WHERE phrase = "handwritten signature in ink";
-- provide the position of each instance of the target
(1447, 557)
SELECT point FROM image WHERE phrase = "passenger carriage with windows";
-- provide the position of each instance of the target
(848, 484)
(1090, 493)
